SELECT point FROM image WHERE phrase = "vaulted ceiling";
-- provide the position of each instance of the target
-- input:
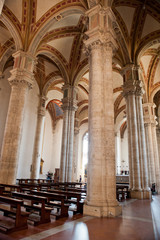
(54, 32)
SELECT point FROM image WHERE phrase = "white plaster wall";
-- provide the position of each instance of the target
(47, 147)
(5, 91)
(28, 133)
(51, 149)
(124, 152)
(56, 147)
(80, 169)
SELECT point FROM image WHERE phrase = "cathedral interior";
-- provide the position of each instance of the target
(80, 101)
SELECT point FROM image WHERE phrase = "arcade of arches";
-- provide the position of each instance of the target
(75, 66)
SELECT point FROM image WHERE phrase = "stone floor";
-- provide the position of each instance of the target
(140, 221)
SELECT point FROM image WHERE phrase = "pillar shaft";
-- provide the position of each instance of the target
(38, 140)
(142, 143)
(151, 142)
(133, 132)
(138, 166)
(70, 147)
(21, 81)
(69, 107)
(75, 151)
(101, 180)
(150, 153)
(63, 147)
(156, 158)
(118, 153)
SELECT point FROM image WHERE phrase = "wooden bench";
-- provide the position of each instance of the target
(26, 187)
(8, 188)
(1, 190)
(33, 205)
(56, 201)
(71, 197)
(12, 208)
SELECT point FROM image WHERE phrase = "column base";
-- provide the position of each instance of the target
(147, 194)
(140, 194)
(102, 211)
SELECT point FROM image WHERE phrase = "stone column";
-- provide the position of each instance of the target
(132, 92)
(75, 150)
(151, 142)
(38, 139)
(69, 107)
(142, 141)
(118, 152)
(21, 81)
(156, 157)
(101, 180)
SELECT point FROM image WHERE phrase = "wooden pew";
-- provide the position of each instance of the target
(56, 201)
(36, 204)
(12, 208)
(26, 187)
(81, 190)
(69, 195)
(1, 190)
(8, 188)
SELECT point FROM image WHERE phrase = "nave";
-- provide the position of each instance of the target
(139, 221)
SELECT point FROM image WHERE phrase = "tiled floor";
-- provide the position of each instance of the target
(140, 221)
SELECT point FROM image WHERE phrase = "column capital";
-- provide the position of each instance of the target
(100, 30)
(132, 87)
(132, 80)
(69, 98)
(22, 71)
(41, 109)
